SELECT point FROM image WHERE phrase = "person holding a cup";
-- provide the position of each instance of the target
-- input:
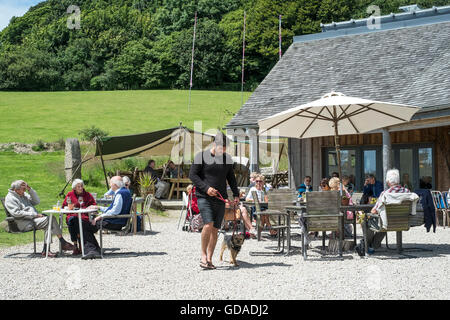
(78, 198)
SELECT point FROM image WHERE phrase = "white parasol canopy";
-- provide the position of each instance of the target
(336, 114)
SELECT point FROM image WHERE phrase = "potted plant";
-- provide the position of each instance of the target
(345, 201)
(146, 184)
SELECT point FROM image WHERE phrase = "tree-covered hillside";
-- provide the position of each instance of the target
(146, 44)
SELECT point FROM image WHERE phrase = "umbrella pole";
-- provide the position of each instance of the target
(103, 164)
(338, 153)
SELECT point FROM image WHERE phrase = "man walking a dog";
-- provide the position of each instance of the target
(211, 171)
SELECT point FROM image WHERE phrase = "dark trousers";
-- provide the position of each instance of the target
(89, 230)
(90, 242)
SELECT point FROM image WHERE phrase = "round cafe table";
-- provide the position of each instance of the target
(61, 213)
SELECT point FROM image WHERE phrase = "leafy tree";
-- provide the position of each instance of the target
(146, 44)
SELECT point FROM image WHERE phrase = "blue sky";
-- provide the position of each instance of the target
(10, 8)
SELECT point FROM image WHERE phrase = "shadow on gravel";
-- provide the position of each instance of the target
(106, 255)
(413, 251)
(114, 255)
(246, 265)
(139, 233)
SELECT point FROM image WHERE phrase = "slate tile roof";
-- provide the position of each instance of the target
(408, 65)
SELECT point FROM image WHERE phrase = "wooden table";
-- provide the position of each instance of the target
(176, 182)
(61, 213)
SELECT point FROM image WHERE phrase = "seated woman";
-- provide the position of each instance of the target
(81, 199)
(262, 197)
(323, 186)
(335, 186)
(348, 185)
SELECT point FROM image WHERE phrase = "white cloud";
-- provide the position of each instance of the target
(17, 8)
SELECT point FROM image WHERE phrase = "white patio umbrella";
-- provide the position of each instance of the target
(336, 114)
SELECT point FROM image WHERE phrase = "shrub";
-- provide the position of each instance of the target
(89, 134)
(39, 146)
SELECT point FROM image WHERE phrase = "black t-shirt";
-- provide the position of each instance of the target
(210, 171)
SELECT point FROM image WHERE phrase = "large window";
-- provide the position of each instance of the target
(415, 163)
(356, 162)
(348, 163)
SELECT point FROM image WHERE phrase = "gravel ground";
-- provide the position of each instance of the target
(165, 265)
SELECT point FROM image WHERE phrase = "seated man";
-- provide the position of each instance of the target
(20, 202)
(173, 170)
(127, 184)
(150, 169)
(121, 205)
(305, 186)
(395, 194)
(372, 188)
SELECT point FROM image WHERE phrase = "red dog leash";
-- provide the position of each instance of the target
(219, 196)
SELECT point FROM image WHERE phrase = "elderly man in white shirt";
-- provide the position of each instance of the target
(20, 202)
(393, 195)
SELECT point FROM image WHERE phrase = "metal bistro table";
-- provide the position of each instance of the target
(137, 200)
(61, 213)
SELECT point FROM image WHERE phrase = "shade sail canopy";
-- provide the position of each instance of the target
(168, 142)
(352, 115)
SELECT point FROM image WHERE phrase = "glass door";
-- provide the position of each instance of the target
(406, 168)
(425, 157)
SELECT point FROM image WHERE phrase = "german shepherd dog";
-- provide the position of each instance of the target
(234, 244)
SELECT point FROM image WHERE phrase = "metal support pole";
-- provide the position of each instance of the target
(387, 147)
(103, 164)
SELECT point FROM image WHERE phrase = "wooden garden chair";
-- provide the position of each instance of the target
(399, 220)
(282, 228)
(323, 214)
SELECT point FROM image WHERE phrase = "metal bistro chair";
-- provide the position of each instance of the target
(441, 207)
(125, 230)
(185, 209)
(282, 227)
(14, 229)
(323, 214)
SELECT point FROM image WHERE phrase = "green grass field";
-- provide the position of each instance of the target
(49, 116)
(29, 116)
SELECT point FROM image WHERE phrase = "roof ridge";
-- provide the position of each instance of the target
(402, 16)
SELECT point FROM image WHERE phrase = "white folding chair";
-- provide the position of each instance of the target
(146, 212)
(184, 210)
(440, 207)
